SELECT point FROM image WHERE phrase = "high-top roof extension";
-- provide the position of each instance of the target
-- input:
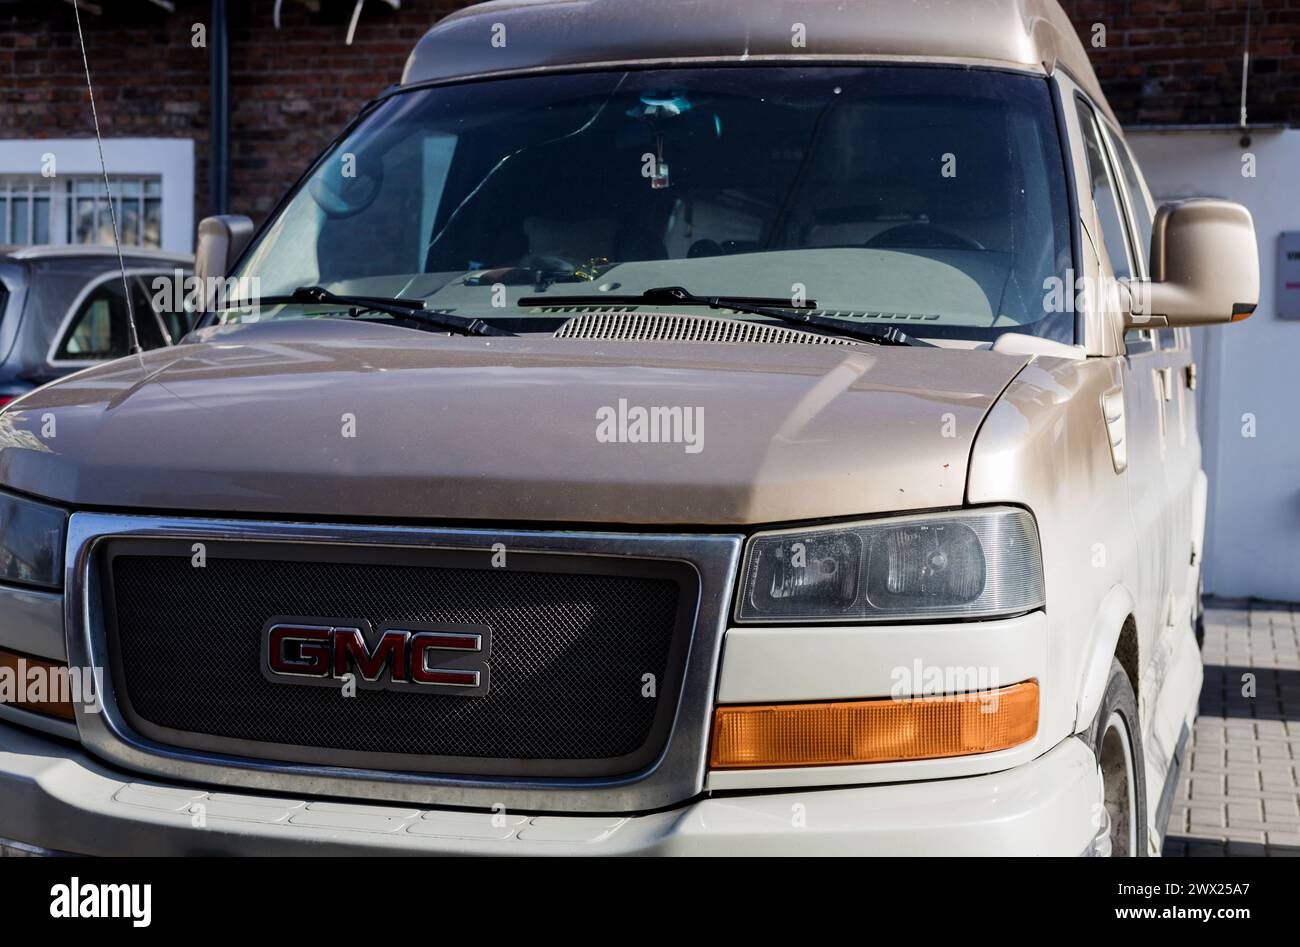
(523, 36)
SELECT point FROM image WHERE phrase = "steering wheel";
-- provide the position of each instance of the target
(549, 263)
(923, 236)
(341, 197)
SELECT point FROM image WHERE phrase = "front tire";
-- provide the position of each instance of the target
(1116, 741)
(1198, 614)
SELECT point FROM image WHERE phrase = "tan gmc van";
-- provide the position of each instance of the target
(675, 427)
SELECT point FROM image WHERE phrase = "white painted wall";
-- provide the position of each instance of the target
(1251, 368)
(172, 159)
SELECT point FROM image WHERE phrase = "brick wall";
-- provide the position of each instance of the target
(1179, 61)
(1165, 61)
(291, 90)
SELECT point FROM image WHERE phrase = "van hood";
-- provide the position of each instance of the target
(331, 419)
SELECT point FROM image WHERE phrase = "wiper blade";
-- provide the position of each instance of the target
(409, 309)
(771, 308)
(412, 309)
(661, 296)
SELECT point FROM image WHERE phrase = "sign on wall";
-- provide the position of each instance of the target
(1288, 274)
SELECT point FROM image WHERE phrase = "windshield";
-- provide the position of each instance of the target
(928, 197)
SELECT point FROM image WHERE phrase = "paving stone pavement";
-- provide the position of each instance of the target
(1239, 793)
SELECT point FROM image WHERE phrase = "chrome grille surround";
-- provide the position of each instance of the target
(677, 774)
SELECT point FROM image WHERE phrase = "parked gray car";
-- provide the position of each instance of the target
(63, 308)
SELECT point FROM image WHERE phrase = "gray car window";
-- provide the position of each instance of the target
(98, 330)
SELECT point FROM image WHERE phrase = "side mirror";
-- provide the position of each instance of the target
(221, 241)
(1204, 267)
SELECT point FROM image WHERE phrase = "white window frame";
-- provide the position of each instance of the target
(169, 159)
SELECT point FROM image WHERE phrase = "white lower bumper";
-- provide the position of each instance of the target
(56, 797)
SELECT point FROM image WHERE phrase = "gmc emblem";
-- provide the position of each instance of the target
(448, 659)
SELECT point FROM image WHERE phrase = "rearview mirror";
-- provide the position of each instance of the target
(1204, 267)
(221, 240)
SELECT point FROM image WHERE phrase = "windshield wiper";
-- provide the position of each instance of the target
(409, 309)
(767, 307)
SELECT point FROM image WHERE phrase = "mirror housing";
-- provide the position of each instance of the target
(1204, 267)
(220, 242)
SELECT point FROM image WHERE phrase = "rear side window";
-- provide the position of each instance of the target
(1105, 195)
(153, 294)
(98, 330)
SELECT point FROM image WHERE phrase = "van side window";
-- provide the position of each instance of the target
(1137, 200)
(1104, 195)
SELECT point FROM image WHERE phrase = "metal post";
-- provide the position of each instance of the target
(219, 115)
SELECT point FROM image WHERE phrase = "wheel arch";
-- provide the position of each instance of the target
(1113, 635)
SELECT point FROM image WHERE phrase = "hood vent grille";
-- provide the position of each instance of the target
(670, 327)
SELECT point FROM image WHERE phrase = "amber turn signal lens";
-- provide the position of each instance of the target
(35, 684)
(874, 731)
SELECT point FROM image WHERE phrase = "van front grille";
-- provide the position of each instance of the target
(573, 640)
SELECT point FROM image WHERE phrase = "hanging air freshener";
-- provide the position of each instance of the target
(660, 178)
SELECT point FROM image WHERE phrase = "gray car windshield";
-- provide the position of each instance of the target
(927, 197)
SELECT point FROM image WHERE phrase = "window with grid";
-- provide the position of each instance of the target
(24, 210)
(75, 209)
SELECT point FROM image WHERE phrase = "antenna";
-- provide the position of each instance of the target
(112, 210)
(1245, 65)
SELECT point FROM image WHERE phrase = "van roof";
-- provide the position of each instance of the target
(520, 36)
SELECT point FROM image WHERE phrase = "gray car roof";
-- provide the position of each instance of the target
(520, 36)
(49, 251)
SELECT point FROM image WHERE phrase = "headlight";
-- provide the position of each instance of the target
(31, 542)
(973, 564)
